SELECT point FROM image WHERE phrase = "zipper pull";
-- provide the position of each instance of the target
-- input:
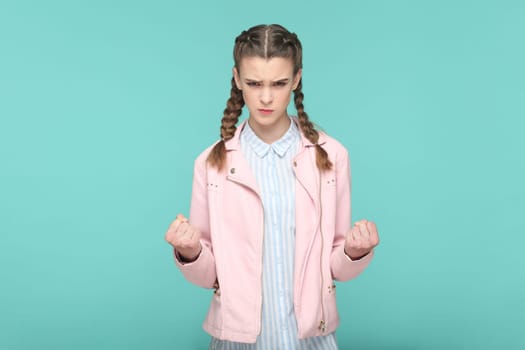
(216, 287)
(322, 326)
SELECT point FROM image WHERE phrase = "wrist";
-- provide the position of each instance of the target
(188, 257)
(356, 255)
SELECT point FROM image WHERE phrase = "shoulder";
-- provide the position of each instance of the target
(332, 146)
(201, 160)
(204, 154)
(231, 144)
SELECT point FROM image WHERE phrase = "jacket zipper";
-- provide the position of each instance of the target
(322, 324)
(262, 266)
(261, 243)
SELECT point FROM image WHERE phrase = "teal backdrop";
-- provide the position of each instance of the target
(105, 104)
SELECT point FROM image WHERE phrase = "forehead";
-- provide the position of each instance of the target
(258, 68)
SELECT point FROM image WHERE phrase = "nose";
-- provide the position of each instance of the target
(266, 96)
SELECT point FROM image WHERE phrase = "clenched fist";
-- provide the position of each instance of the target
(184, 238)
(361, 239)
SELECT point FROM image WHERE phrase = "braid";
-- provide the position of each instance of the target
(308, 129)
(230, 118)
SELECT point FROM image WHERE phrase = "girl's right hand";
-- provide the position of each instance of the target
(184, 238)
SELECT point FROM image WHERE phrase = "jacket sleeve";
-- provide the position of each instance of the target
(201, 271)
(343, 268)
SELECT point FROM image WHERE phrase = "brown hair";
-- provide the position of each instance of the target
(266, 41)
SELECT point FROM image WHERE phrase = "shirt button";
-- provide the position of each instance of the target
(295, 164)
(232, 170)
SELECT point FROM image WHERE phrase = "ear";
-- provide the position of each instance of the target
(237, 78)
(297, 78)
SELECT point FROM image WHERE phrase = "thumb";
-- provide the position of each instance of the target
(181, 217)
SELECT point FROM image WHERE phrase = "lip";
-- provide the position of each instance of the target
(265, 111)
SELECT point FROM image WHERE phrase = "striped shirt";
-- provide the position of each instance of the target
(272, 166)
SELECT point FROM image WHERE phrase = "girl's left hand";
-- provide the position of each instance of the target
(361, 239)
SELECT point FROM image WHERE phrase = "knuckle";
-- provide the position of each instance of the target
(177, 242)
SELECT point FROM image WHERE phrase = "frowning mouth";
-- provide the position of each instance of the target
(265, 111)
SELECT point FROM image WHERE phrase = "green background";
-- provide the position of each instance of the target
(105, 104)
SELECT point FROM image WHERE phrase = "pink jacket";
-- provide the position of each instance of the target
(227, 209)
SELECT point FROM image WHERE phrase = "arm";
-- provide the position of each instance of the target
(343, 267)
(201, 271)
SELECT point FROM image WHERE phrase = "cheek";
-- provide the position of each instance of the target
(249, 98)
(285, 99)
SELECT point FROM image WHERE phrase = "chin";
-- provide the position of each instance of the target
(266, 119)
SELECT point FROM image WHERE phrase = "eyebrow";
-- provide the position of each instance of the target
(283, 80)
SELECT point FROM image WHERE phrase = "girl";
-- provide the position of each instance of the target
(269, 224)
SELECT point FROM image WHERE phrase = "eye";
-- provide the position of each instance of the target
(253, 83)
(280, 83)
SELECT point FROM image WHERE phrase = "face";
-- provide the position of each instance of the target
(266, 87)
